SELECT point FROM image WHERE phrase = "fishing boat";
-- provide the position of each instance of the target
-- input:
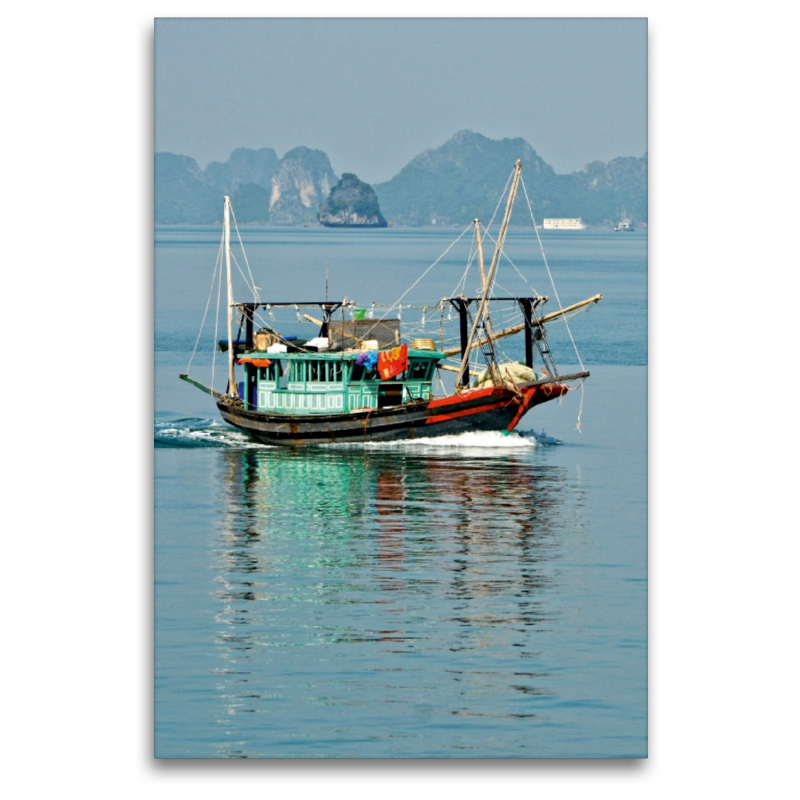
(358, 381)
(624, 224)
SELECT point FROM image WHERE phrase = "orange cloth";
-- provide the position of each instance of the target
(393, 362)
(256, 362)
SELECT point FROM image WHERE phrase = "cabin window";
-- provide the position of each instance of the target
(271, 372)
(360, 374)
(418, 370)
(284, 373)
(314, 370)
(336, 369)
(357, 373)
(297, 371)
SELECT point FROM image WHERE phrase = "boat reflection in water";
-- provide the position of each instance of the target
(418, 577)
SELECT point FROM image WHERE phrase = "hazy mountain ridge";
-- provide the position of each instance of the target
(460, 180)
(182, 191)
(243, 166)
(263, 188)
(448, 185)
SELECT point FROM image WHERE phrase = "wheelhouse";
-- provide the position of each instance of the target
(330, 382)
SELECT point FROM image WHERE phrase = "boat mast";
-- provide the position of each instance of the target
(492, 269)
(227, 228)
(477, 224)
(488, 325)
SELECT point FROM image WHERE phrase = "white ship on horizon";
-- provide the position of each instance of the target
(625, 224)
(564, 224)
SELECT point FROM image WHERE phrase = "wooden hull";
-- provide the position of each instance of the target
(496, 408)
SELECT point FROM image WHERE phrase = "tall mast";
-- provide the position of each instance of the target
(490, 278)
(477, 224)
(489, 336)
(232, 391)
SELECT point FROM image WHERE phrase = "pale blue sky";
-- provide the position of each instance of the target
(373, 93)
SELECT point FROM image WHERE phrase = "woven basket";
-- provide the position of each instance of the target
(423, 344)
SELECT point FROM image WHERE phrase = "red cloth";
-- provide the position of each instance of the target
(392, 362)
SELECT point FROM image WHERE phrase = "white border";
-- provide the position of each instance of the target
(78, 511)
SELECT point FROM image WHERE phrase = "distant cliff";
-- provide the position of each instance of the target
(352, 204)
(300, 185)
(263, 188)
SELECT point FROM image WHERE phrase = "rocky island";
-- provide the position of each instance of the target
(351, 204)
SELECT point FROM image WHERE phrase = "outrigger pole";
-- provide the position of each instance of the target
(232, 390)
(490, 278)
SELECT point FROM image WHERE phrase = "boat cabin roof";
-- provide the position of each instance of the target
(341, 355)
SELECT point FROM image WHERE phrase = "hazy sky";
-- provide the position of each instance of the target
(374, 93)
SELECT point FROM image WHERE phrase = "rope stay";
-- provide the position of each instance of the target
(558, 299)
(550, 274)
(208, 302)
(396, 302)
(505, 255)
(252, 286)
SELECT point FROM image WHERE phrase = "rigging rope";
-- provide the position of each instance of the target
(452, 244)
(555, 291)
(550, 274)
(208, 302)
(253, 286)
(503, 253)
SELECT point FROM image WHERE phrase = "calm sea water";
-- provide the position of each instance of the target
(475, 596)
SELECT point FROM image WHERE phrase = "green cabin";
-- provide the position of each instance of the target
(332, 382)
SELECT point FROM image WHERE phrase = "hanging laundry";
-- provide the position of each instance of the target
(393, 362)
(367, 359)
